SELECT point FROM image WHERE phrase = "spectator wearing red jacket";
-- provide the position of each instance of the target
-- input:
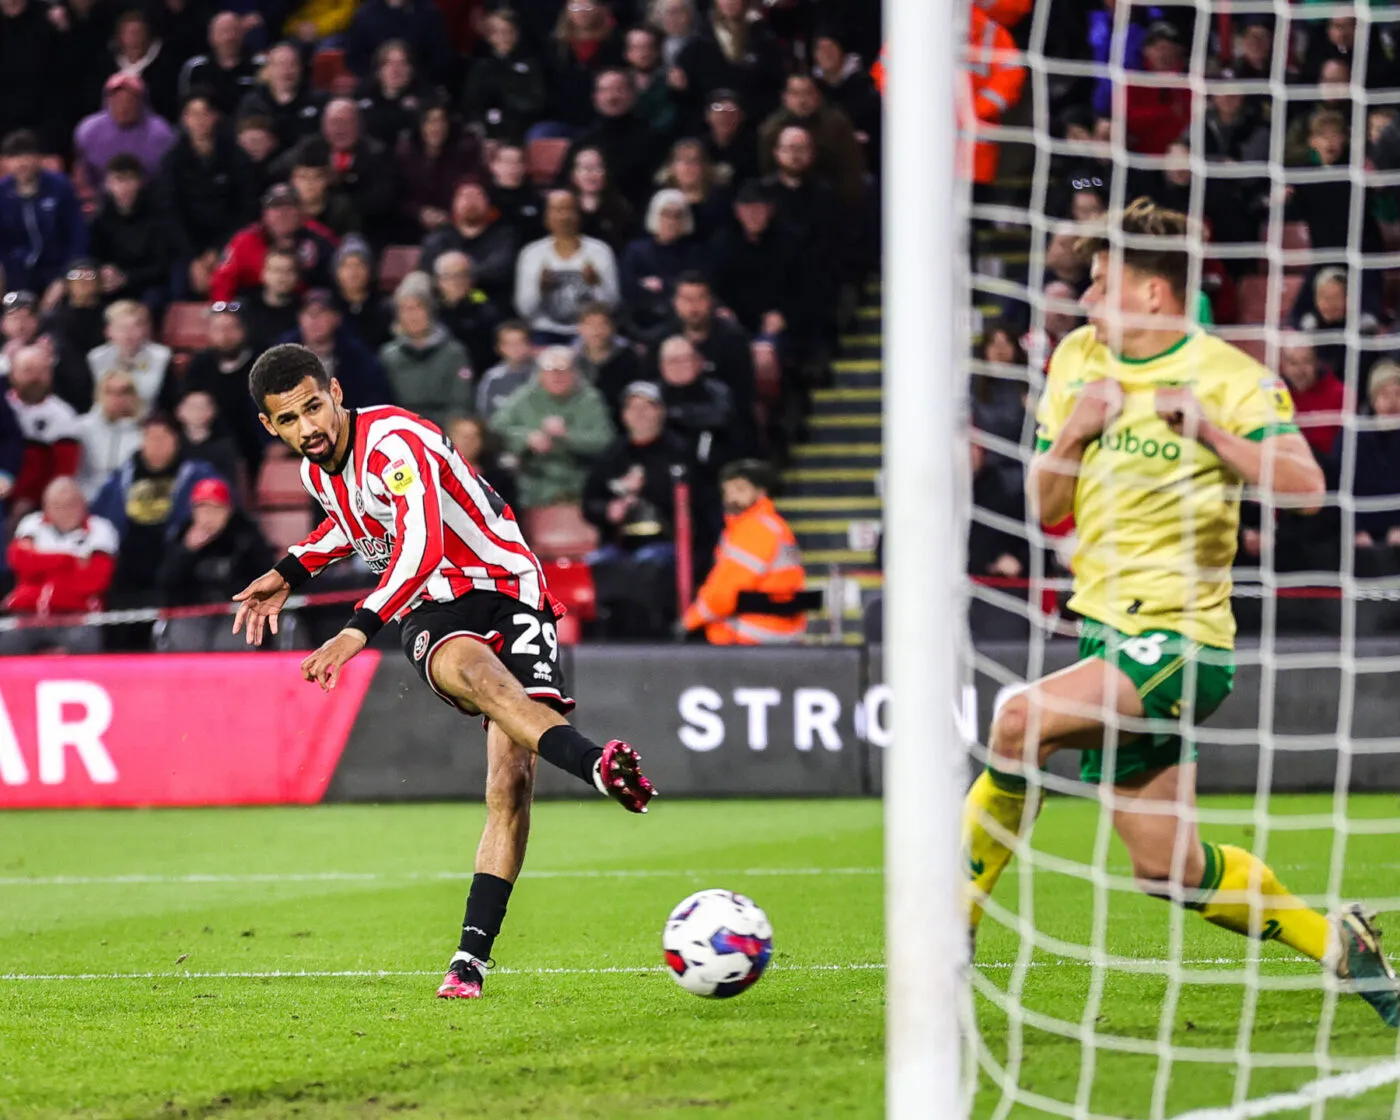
(47, 423)
(1157, 114)
(282, 226)
(1315, 390)
(62, 558)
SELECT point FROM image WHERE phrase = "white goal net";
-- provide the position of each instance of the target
(1276, 128)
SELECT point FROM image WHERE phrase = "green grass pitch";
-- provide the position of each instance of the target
(578, 1021)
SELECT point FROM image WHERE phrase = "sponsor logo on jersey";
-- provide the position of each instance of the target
(1128, 443)
(375, 551)
(399, 476)
(420, 646)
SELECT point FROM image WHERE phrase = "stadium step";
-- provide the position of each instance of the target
(841, 427)
(837, 454)
(832, 507)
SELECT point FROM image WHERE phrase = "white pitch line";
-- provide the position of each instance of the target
(1341, 1085)
(196, 879)
(281, 974)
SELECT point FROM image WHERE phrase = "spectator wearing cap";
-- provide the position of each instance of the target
(429, 370)
(720, 345)
(604, 212)
(216, 551)
(138, 51)
(391, 98)
(125, 126)
(1316, 392)
(361, 309)
(1157, 115)
(221, 370)
(630, 148)
(756, 265)
(478, 231)
(76, 325)
(837, 156)
(20, 324)
(133, 243)
(555, 425)
(512, 193)
(283, 97)
(603, 358)
(416, 23)
(129, 347)
(147, 501)
(47, 424)
(311, 177)
(506, 87)
(465, 310)
(270, 311)
(630, 497)
(227, 71)
(729, 138)
(359, 166)
(63, 559)
(513, 372)
(652, 264)
(282, 226)
(430, 161)
(41, 222)
(207, 190)
(30, 54)
(732, 51)
(110, 432)
(557, 275)
(345, 357)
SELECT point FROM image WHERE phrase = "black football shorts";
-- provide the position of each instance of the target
(523, 638)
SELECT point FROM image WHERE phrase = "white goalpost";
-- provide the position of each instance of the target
(925, 769)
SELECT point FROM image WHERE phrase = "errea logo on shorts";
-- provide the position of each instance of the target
(542, 671)
(420, 646)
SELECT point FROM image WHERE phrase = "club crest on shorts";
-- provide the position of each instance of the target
(420, 646)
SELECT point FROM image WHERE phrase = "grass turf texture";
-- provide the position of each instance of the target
(804, 1042)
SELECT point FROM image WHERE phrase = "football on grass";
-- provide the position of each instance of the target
(717, 943)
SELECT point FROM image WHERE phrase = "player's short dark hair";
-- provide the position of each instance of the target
(124, 163)
(21, 142)
(1170, 259)
(753, 471)
(282, 369)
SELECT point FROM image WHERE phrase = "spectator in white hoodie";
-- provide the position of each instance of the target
(129, 348)
(110, 431)
(559, 275)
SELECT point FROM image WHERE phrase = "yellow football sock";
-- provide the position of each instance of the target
(1282, 916)
(1002, 798)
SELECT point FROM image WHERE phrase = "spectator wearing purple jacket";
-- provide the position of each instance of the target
(125, 126)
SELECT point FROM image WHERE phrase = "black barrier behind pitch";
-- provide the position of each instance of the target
(814, 721)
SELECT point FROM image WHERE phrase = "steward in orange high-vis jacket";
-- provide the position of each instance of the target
(748, 598)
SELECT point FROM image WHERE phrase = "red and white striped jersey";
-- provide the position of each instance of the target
(419, 517)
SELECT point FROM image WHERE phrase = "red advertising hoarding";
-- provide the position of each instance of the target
(178, 729)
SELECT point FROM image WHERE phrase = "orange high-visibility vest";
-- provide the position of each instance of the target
(758, 552)
(995, 79)
(1008, 13)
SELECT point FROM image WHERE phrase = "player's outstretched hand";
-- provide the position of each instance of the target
(1098, 406)
(325, 664)
(259, 604)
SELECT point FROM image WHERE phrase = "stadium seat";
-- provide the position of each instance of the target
(326, 66)
(186, 326)
(396, 263)
(571, 582)
(544, 158)
(286, 527)
(279, 483)
(554, 532)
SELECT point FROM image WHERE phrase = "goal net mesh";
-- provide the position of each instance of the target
(1274, 127)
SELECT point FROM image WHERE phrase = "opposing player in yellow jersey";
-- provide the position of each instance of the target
(1146, 432)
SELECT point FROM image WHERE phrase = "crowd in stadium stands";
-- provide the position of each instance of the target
(563, 230)
(1338, 316)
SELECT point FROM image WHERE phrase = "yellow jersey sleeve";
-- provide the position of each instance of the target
(1063, 378)
(1255, 402)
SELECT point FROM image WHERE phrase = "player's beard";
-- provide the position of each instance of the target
(322, 453)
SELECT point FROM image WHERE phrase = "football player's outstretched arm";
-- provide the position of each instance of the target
(260, 603)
